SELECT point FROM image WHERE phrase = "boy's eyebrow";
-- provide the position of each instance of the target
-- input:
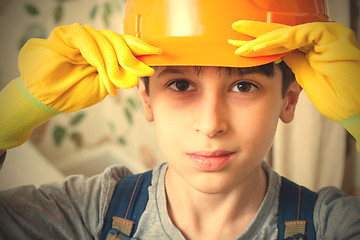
(261, 70)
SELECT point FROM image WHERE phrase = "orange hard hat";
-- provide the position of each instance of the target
(195, 32)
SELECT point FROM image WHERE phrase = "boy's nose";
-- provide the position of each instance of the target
(211, 117)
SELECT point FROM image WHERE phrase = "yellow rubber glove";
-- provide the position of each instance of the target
(325, 58)
(75, 68)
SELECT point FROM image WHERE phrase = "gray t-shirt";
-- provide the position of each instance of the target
(76, 209)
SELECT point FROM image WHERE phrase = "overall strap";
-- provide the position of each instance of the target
(296, 210)
(126, 206)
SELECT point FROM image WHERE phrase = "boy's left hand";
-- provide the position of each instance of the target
(325, 58)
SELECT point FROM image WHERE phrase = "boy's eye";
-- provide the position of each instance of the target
(245, 87)
(181, 85)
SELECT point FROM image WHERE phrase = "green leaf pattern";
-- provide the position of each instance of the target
(61, 132)
(94, 11)
(59, 135)
(58, 14)
(32, 9)
(77, 119)
(77, 139)
(107, 8)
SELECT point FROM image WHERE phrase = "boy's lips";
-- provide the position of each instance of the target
(210, 161)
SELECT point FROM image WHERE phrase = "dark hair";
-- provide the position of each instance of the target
(268, 69)
(288, 77)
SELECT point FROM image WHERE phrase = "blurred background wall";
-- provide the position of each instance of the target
(312, 150)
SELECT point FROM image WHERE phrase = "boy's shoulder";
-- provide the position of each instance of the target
(337, 214)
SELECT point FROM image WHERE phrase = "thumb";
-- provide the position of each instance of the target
(300, 66)
(255, 28)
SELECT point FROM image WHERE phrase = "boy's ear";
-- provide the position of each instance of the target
(145, 100)
(290, 101)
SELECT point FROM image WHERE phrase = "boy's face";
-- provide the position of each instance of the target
(214, 127)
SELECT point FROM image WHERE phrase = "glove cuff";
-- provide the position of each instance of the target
(20, 112)
(352, 125)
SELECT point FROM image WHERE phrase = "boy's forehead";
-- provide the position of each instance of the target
(267, 70)
(164, 70)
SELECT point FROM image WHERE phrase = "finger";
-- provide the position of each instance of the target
(139, 47)
(246, 50)
(269, 48)
(299, 65)
(255, 28)
(104, 57)
(128, 80)
(125, 55)
(237, 43)
(126, 58)
(130, 67)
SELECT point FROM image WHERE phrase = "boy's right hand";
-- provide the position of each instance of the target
(75, 68)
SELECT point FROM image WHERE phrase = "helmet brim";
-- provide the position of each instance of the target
(182, 51)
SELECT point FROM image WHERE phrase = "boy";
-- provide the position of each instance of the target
(215, 115)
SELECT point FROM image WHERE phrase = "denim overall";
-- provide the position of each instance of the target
(295, 220)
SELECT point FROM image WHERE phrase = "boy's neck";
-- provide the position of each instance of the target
(214, 216)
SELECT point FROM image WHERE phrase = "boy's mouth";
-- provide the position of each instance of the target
(210, 161)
